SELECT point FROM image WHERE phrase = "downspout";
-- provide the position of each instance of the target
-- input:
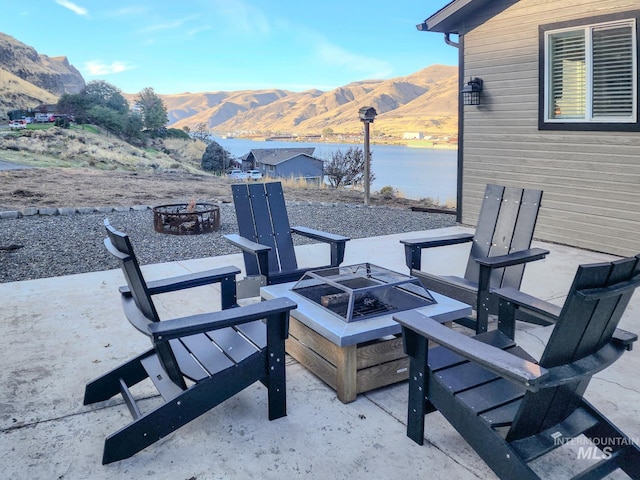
(460, 46)
(448, 41)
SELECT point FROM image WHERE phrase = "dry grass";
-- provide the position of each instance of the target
(169, 169)
(82, 148)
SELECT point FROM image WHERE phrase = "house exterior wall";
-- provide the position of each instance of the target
(590, 179)
(296, 167)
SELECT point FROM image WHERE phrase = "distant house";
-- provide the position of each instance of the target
(558, 111)
(412, 136)
(285, 163)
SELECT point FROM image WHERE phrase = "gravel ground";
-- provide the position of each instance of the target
(48, 246)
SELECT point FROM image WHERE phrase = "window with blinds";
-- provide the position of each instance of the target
(591, 74)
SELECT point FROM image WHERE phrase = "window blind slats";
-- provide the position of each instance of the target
(592, 73)
(612, 72)
(568, 85)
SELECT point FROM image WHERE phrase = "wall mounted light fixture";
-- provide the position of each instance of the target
(471, 92)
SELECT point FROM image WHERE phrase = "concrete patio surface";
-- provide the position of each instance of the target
(57, 334)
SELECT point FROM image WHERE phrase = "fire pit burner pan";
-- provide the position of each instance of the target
(362, 291)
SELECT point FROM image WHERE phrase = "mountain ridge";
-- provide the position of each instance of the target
(427, 99)
(424, 101)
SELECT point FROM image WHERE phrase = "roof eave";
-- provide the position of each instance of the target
(450, 18)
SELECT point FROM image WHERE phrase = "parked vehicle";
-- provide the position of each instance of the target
(237, 174)
(17, 124)
(44, 118)
(254, 174)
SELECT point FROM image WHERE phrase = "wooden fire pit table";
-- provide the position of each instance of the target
(353, 357)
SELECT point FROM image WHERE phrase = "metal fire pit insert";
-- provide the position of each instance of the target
(362, 291)
(186, 219)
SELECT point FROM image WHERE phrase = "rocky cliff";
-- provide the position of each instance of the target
(28, 78)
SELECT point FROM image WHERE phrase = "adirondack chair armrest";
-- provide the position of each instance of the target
(413, 247)
(514, 258)
(319, 235)
(531, 303)
(337, 242)
(624, 338)
(502, 363)
(246, 245)
(190, 280)
(586, 366)
(193, 324)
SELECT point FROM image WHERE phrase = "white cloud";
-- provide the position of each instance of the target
(73, 7)
(240, 17)
(97, 67)
(168, 25)
(131, 11)
(336, 56)
(196, 30)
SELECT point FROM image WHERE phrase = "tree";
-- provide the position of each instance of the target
(346, 168)
(74, 105)
(327, 132)
(154, 112)
(215, 158)
(99, 92)
(201, 132)
(108, 118)
(133, 127)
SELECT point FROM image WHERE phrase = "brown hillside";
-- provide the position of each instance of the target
(424, 101)
(16, 93)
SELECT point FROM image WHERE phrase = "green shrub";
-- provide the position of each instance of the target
(388, 192)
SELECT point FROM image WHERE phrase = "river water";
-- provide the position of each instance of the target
(414, 172)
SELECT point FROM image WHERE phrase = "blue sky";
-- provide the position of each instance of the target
(209, 45)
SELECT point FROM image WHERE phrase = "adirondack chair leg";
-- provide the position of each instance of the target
(416, 347)
(507, 318)
(228, 292)
(482, 307)
(173, 414)
(108, 385)
(275, 381)
(337, 253)
(413, 257)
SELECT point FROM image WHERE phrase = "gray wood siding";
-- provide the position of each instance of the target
(591, 180)
(300, 166)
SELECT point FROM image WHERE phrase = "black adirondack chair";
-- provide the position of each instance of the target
(265, 237)
(512, 409)
(499, 253)
(197, 361)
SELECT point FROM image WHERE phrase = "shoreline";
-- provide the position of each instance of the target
(429, 144)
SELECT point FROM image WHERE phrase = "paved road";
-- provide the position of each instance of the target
(11, 166)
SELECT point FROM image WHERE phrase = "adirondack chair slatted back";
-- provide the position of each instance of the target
(262, 218)
(595, 303)
(119, 245)
(506, 223)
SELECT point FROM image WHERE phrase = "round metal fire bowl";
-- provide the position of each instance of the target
(179, 219)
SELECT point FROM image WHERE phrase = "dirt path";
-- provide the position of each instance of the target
(71, 187)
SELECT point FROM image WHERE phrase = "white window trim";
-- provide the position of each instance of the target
(588, 29)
